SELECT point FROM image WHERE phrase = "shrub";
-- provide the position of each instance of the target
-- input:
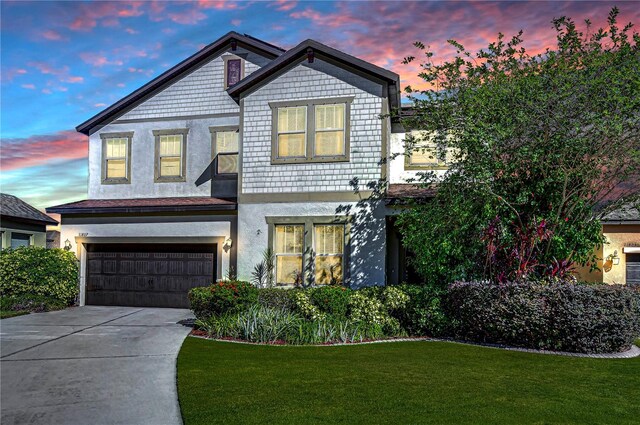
(39, 273)
(222, 297)
(276, 298)
(33, 303)
(553, 316)
(304, 306)
(331, 300)
(424, 311)
(261, 324)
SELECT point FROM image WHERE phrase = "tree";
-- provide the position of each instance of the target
(535, 144)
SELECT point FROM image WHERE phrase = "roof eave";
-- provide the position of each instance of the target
(142, 209)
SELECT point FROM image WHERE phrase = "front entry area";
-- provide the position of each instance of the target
(147, 275)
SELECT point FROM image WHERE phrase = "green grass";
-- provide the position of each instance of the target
(5, 314)
(400, 383)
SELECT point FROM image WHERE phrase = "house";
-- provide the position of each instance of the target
(21, 224)
(240, 147)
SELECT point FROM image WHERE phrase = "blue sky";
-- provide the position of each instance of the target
(63, 62)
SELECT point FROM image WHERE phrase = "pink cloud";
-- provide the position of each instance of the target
(98, 59)
(284, 5)
(41, 149)
(9, 74)
(217, 4)
(28, 86)
(236, 22)
(46, 91)
(53, 35)
(61, 73)
(187, 17)
(90, 15)
(131, 31)
(100, 105)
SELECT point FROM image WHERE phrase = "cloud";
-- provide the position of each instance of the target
(187, 17)
(53, 36)
(61, 73)
(98, 59)
(100, 105)
(9, 74)
(131, 31)
(28, 86)
(236, 22)
(90, 15)
(284, 5)
(42, 149)
(49, 184)
(217, 4)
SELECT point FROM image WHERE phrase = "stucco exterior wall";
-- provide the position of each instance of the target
(397, 172)
(303, 82)
(618, 236)
(367, 246)
(198, 151)
(199, 93)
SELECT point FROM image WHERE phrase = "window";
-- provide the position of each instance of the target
(292, 132)
(329, 140)
(116, 154)
(20, 239)
(225, 147)
(425, 154)
(314, 130)
(328, 246)
(233, 70)
(288, 252)
(309, 249)
(170, 155)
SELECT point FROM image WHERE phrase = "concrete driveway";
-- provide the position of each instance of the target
(91, 365)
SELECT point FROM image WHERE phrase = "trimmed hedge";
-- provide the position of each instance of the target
(39, 273)
(222, 297)
(551, 316)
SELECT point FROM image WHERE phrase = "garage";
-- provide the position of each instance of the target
(147, 275)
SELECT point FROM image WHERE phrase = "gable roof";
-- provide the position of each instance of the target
(293, 56)
(166, 78)
(14, 207)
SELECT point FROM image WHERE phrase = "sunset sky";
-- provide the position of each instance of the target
(63, 62)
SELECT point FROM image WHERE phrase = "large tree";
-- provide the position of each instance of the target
(535, 143)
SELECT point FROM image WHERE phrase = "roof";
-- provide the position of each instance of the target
(138, 205)
(401, 193)
(14, 207)
(169, 76)
(320, 51)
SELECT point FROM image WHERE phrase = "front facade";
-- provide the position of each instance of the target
(244, 147)
(241, 148)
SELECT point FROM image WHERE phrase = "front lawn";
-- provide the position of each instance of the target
(400, 382)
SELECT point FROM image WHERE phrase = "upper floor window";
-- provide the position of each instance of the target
(425, 154)
(233, 70)
(224, 146)
(116, 158)
(315, 130)
(170, 156)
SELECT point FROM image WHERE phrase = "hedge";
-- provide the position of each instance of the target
(39, 273)
(222, 297)
(551, 316)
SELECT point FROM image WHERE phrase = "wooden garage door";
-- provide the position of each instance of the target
(147, 275)
(633, 269)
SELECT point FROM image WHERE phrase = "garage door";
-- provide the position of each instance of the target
(633, 269)
(147, 275)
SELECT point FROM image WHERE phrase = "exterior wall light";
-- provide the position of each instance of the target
(615, 260)
(67, 245)
(227, 243)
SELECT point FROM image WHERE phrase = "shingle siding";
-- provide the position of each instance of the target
(200, 93)
(302, 82)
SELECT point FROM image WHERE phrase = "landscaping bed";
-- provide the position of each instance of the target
(551, 316)
(399, 382)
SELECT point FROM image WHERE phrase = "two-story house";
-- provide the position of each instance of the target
(241, 147)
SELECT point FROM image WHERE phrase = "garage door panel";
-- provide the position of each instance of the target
(147, 276)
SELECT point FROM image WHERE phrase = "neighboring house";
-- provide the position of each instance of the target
(242, 147)
(21, 224)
